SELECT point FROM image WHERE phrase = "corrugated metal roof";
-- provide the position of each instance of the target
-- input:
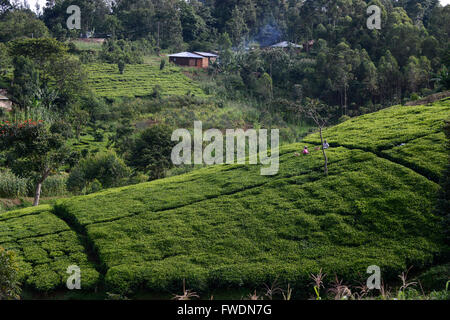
(206, 54)
(285, 44)
(186, 55)
(2, 97)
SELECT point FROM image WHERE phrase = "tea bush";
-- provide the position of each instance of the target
(9, 279)
(45, 247)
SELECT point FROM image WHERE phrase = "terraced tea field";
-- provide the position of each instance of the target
(46, 246)
(229, 227)
(139, 80)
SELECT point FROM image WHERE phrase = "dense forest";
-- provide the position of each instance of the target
(348, 66)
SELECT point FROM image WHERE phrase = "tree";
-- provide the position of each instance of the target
(151, 151)
(94, 13)
(404, 37)
(42, 51)
(26, 83)
(58, 71)
(341, 70)
(417, 73)
(121, 66)
(79, 118)
(236, 26)
(317, 112)
(9, 276)
(112, 25)
(103, 170)
(226, 54)
(265, 88)
(37, 151)
(388, 77)
(368, 77)
(16, 24)
(5, 6)
(5, 60)
(194, 27)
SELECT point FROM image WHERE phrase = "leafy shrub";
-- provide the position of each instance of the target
(73, 48)
(156, 94)
(436, 277)
(105, 169)
(63, 128)
(94, 186)
(54, 186)
(121, 66)
(9, 276)
(414, 97)
(88, 56)
(151, 151)
(12, 186)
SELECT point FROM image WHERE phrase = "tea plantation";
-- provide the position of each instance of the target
(139, 80)
(229, 227)
(46, 247)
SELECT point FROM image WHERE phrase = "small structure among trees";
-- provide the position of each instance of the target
(189, 59)
(5, 103)
(211, 56)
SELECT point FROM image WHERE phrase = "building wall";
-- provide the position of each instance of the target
(190, 62)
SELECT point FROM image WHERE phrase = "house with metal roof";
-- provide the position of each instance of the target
(285, 45)
(188, 59)
(211, 56)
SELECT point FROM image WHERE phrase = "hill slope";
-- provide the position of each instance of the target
(229, 226)
(139, 80)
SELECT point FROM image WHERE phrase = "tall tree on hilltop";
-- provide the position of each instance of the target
(237, 27)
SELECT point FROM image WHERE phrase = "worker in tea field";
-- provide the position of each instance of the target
(326, 145)
(305, 151)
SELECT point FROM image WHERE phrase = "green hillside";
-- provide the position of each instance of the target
(139, 80)
(228, 226)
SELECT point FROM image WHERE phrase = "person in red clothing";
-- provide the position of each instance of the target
(305, 151)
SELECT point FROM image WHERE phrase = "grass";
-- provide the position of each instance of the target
(139, 80)
(229, 227)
